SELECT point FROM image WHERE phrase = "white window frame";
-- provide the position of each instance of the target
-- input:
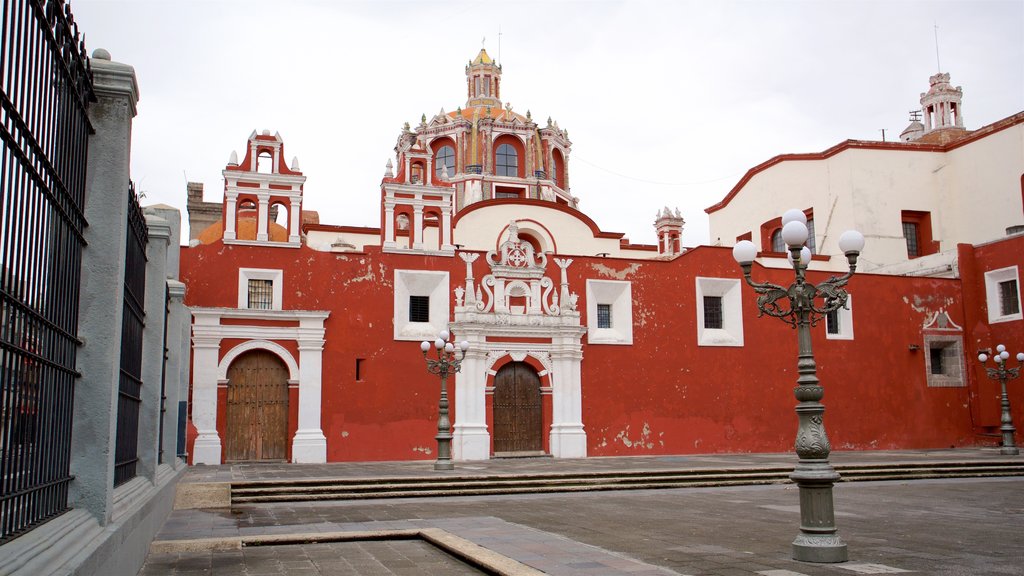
(619, 295)
(730, 291)
(420, 283)
(246, 274)
(845, 317)
(992, 280)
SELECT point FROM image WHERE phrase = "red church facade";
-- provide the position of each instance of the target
(306, 335)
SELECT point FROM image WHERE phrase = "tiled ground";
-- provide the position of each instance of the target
(390, 558)
(968, 527)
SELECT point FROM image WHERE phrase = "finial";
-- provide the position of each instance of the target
(528, 115)
(233, 159)
(549, 121)
(423, 118)
(405, 127)
(388, 173)
(458, 111)
(295, 164)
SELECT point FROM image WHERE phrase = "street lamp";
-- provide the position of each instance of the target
(818, 540)
(1002, 373)
(445, 364)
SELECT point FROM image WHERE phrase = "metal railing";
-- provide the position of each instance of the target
(45, 88)
(133, 323)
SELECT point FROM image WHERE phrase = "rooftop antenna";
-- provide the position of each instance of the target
(882, 130)
(499, 44)
(915, 115)
(937, 63)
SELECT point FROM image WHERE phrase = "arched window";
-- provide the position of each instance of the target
(558, 169)
(777, 244)
(444, 158)
(507, 161)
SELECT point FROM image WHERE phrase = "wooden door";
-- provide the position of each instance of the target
(257, 410)
(518, 415)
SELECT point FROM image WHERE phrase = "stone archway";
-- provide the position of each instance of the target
(256, 426)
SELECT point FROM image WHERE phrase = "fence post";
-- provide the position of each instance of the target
(102, 286)
(153, 344)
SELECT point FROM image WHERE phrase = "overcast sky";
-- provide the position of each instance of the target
(666, 103)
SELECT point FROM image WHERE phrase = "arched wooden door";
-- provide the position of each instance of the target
(518, 412)
(257, 410)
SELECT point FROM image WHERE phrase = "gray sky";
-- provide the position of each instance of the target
(666, 103)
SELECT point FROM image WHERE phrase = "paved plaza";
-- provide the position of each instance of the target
(942, 527)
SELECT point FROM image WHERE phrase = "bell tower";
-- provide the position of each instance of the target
(940, 105)
(483, 79)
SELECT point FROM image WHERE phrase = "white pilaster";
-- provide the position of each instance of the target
(471, 440)
(446, 228)
(263, 216)
(389, 225)
(417, 243)
(229, 217)
(568, 439)
(310, 445)
(294, 216)
(207, 449)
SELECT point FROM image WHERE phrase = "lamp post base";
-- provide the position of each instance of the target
(820, 548)
(444, 465)
(1009, 451)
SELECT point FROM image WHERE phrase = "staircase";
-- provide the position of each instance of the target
(297, 490)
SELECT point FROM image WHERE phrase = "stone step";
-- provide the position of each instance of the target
(478, 485)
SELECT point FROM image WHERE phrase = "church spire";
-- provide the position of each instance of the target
(483, 76)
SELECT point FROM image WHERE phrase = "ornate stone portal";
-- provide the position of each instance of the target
(514, 314)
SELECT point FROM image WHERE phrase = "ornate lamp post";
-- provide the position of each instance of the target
(1002, 373)
(818, 540)
(445, 364)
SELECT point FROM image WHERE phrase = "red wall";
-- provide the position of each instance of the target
(662, 395)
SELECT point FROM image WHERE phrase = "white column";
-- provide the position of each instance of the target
(568, 440)
(927, 118)
(471, 440)
(310, 445)
(417, 242)
(446, 229)
(205, 352)
(294, 214)
(389, 225)
(263, 216)
(229, 217)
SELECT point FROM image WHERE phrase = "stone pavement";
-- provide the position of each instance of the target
(954, 527)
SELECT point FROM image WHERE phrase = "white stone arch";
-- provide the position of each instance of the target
(495, 356)
(280, 351)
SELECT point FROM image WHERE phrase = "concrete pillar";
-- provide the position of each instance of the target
(102, 287)
(153, 351)
(310, 445)
(176, 396)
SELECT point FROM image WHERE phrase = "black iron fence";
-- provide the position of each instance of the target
(45, 87)
(133, 322)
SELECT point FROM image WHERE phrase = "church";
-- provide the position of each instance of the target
(306, 335)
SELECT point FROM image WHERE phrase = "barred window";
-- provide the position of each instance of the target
(1008, 302)
(937, 357)
(419, 308)
(261, 294)
(604, 315)
(832, 321)
(910, 233)
(713, 312)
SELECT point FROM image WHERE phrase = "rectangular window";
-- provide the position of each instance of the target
(419, 308)
(713, 312)
(832, 322)
(359, 369)
(507, 195)
(936, 354)
(261, 294)
(1008, 302)
(910, 233)
(604, 315)
(810, 236)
